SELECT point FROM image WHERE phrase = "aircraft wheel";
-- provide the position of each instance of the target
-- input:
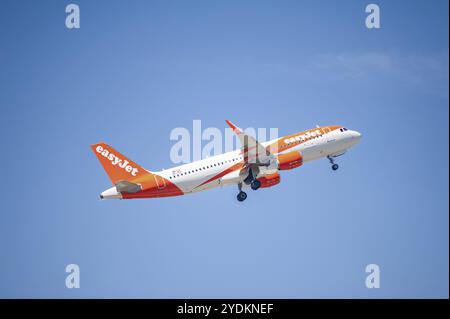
(255, 184)
(334, 167)
(241, 196)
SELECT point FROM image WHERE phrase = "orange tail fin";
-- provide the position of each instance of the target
(117, 166)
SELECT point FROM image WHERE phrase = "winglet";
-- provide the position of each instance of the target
(233, 127)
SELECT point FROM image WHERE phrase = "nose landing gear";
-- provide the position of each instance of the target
(334, 166)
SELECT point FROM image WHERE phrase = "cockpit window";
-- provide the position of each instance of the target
(344, 129)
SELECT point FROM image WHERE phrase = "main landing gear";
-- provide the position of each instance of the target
(251, 179)
(254, 184)
(334, 166)
(241, 196)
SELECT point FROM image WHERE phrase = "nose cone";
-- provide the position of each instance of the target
(357, 135)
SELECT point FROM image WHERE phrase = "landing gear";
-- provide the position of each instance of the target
(251, 179)
(334, 166)
(255, 184)
(251, 176)
(241, 196)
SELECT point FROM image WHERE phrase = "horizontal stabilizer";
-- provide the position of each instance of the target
(127, 187)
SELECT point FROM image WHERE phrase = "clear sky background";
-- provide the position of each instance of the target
(135, 70)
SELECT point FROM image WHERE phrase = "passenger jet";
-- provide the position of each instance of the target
(255, 165)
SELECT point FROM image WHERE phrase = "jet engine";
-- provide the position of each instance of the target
(289, 160)
(269, 180)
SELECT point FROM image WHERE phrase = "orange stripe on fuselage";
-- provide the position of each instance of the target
(223, 173)
(154, 185)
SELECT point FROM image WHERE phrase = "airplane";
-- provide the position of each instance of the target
(255, 165)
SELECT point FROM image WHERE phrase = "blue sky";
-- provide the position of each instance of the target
(135, 71)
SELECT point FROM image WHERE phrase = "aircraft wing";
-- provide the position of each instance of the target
(253, 151)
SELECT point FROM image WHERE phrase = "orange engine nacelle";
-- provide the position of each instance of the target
(269, 180)
(289, 160)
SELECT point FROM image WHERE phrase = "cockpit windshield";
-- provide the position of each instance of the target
(343, 129)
